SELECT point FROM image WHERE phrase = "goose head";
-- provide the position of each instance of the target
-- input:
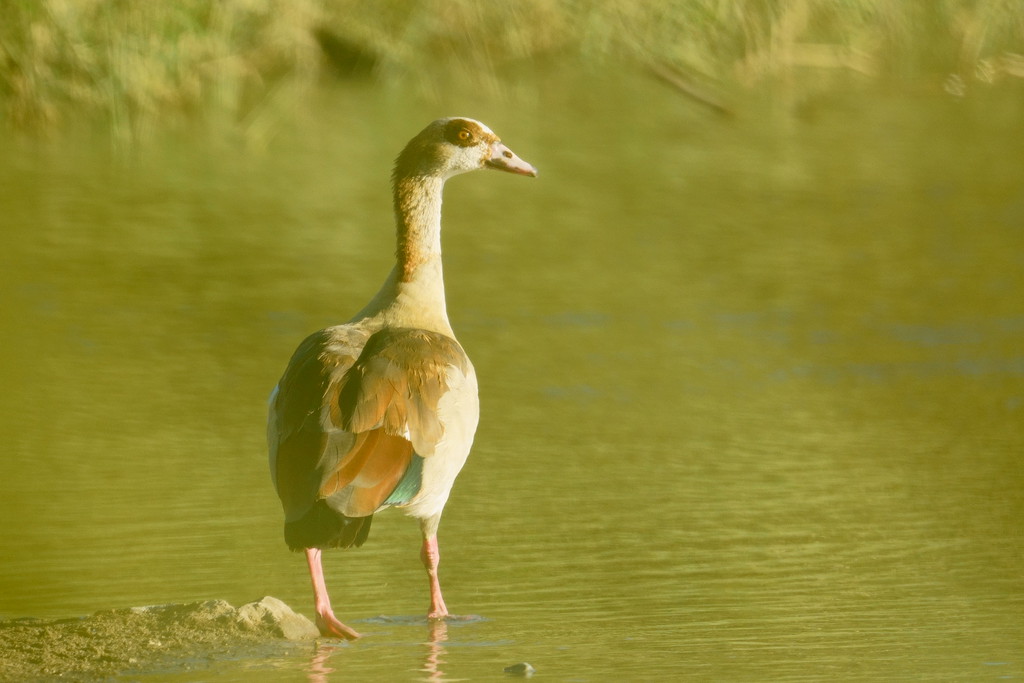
(450, 146)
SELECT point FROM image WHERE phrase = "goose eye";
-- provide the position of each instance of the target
(464, 135)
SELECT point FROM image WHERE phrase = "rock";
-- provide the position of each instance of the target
(277, 617)
(520, 669)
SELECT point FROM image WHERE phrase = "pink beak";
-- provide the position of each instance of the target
(504, 159)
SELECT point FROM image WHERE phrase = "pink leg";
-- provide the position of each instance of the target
(325, 619)
(431, 557)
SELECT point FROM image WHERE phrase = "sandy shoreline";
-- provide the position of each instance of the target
(112, 642)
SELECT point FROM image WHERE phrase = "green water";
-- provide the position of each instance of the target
(752, 389)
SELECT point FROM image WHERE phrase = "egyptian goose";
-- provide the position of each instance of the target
(381, 411)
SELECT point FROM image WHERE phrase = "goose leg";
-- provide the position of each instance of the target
(431, 557)
(325, 619)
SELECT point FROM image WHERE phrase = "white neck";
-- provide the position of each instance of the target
(413, 294)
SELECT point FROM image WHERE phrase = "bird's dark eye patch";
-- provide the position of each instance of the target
(462, 133)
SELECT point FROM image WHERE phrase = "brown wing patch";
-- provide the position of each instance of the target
(368, 473)
(375, 457)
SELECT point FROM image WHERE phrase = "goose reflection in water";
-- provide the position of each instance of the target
(435, 651)
(319, 670)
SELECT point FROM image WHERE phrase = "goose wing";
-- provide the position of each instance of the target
(354, 409)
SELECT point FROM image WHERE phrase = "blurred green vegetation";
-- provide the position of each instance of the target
(133, 61)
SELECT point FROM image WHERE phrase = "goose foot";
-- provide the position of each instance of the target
(330, 627)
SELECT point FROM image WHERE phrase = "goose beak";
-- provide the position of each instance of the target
(504, 159)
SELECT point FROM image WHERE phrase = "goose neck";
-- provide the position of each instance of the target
(418, 218)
